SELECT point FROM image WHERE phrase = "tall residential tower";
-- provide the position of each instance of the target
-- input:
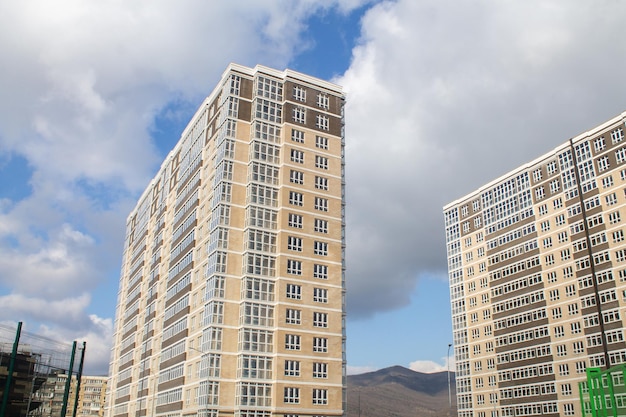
(231, 298)
(537, 268)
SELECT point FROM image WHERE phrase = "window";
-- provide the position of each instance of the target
(294, 243)
(547, 242)
(599, 144)
(269, 110)
(321, 162)
(296, 199)
(292, 368)
(296, 177)
(262, 195)
(568, 409)
(261, 217)
(549, 259)
(294, 291)
(555, 186)
(297, 156)
(320, 295)
(322, 122)
(556, 313)
(295, 220)
(292, 395)
(563, 369)
(322, 101)
(320, 271)
(543, 210)
(554, 295)
(540, 193)
(611, 199)
(614, 217)
(575, 327)
(320, 370)
(320, 248)
(299, 93)
(321, 142)
(617, 135)
(565, 254)
(618, 236)
(266, 87)
(320, 319)
(320, 396)
(578, 347)
(321, 226)
(321, 183)
(568, 272)
(560, 220)
(267, 174)
(321, 204)
(572, 309)
(552, 276)
(293, 316)
(545, 225)
(292, 342)
(299, 115)
(320, 344)
(607, 181)
(559, 331)
(558, 203)
(537, 175)
(561, 350)
(297, 136)
(551, 167)
(603, 163)
(294, 267)
(570, 290)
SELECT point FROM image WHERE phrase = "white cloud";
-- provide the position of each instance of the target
(356, 370)
(81, 84)
(97, 338)
(445, 96)
(429, 367)
(442, 97)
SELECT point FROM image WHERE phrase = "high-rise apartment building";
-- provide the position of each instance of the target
(231, 300)
(537, 269)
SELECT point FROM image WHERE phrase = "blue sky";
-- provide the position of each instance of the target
(442, 97)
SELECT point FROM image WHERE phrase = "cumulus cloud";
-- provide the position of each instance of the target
(356, 370)
(445, 96)
(442, 97)
(81, 86)
(429, 367)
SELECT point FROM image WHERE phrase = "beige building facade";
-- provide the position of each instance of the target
(231, 299)
(51, 393)
(537, 269)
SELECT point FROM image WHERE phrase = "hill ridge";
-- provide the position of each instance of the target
(398, 391)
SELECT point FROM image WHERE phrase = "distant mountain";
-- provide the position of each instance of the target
(400, 392)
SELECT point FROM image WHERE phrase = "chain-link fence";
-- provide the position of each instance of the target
(39, 376)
